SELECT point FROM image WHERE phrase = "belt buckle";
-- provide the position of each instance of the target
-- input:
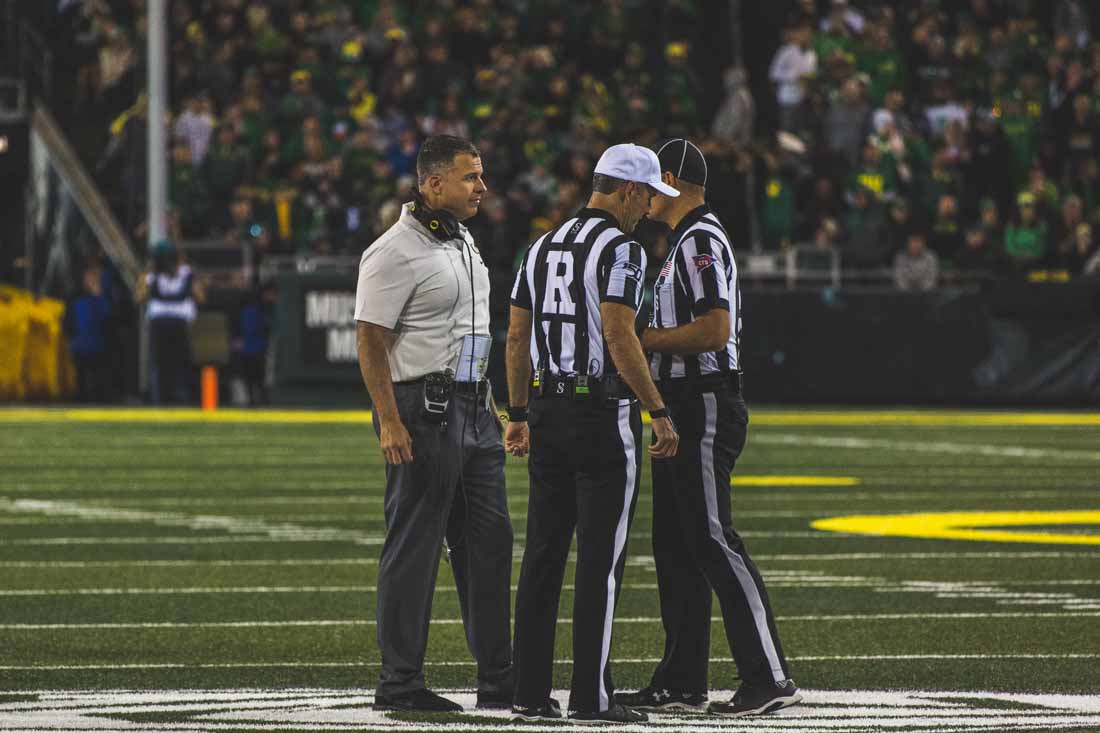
(562, 387)
(580, 386)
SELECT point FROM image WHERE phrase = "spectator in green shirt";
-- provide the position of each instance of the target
(1026, 238)
(882, 62)
(300, 102)
(778, 206)
(877, 172)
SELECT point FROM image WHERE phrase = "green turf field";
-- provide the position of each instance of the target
(223, 572)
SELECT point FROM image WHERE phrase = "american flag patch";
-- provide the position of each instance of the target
(702, 262)
(666, 269)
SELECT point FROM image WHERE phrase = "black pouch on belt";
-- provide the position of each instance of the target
(438, 388)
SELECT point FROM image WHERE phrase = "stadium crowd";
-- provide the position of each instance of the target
(969, 124)
(924, 142)
(957, 135)
(296, 124)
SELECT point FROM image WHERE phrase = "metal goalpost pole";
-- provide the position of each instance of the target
(156, 169)
(156, 153)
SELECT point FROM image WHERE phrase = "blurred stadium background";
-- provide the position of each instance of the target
(161, 552)
(836, 131)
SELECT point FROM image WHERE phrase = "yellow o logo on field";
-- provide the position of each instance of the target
(968, 526)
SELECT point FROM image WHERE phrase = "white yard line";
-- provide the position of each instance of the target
(299, 623)
(780, 579)
(912, 446)
(635, 560)
(471, 663)
(302, 533)
(239, 528)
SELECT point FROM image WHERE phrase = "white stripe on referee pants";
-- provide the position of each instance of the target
(620, 544)
(737, 563)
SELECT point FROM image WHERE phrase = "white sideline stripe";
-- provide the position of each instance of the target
(636, 560)
(736, 563)
(963, 449)
(186, 590)
(471, 663)
(290, 562)
(367, 517)
(455, 621)
(942, 589)
(820, 493)
(324, 536)
(329, 535)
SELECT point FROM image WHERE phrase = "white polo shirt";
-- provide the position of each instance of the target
(419, 287)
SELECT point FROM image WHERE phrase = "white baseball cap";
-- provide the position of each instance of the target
(629, 162)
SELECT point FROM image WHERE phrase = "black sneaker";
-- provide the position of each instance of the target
(660, 699)
(550, 710)
(421, 701)
(758, 700)
(615, 714)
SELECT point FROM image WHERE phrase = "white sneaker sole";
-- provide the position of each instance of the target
(521, 718)
(769, 707)
(673, 707)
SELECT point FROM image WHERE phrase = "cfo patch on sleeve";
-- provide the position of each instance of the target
(702, 262)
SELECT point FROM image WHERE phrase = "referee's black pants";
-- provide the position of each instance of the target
(696, 548)
(584, 468)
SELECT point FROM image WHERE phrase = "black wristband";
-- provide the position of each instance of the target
(661, 412)
(517, 414)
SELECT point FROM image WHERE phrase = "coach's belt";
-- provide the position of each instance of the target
(480, 388)
(734, 381)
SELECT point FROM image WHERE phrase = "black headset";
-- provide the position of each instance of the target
(442, 224)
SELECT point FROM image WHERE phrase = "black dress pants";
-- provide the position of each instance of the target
(584, 468)
(696, 548)
(453, 489)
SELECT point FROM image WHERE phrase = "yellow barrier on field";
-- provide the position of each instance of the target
(34, 357)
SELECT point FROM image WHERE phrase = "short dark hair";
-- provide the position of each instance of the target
(606, 184)
(437, 155)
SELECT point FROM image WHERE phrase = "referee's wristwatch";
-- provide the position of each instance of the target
(659, 413)
(517, 414)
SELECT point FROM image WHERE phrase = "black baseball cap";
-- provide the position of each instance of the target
(683, 159)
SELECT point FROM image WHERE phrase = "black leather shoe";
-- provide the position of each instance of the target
(616, 714)
(551, 710)
(422, 701)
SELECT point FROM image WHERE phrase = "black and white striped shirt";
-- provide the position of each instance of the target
(699, 274)
(566, 274)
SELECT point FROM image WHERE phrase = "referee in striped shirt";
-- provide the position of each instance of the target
(694, 338)
(574, 304)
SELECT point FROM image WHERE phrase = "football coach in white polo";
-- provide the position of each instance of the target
(422, 319)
